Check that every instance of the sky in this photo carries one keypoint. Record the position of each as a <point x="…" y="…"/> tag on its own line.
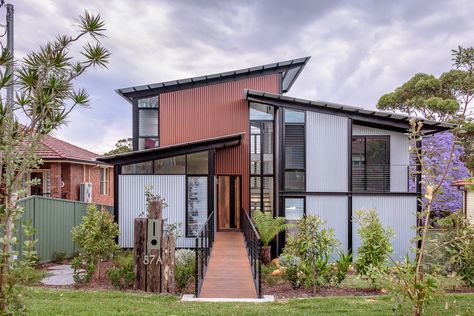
<point x="359" y="49"/>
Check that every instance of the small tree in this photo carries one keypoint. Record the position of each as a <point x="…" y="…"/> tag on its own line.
<point x="268" y="228"/>
<point x="315" y="245"/>
<point x="415" y="285"/>
<point x="45" y="97"/>
<point x="96" y="237"/>
<point x="375" y="248"/>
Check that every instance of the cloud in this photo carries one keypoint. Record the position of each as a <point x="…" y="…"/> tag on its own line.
<point x="360" y="50"/>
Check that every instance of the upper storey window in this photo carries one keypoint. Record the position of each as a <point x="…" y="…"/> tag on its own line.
<point x="148" y="123"/>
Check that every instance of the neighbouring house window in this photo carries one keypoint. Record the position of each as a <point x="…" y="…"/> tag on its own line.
<point x="148" y="123"/>
<point x="196" y="204"/>
<point x="294" y="149"/>
<point x="371" y="163"/>
<point x="172" y="165"/>
<point x="43" y="187"/>
<point x="104" y="181"/>
<point x="261" y="157"/>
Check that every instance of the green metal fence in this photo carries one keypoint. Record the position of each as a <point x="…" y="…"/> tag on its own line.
<point x="53" y="220"/>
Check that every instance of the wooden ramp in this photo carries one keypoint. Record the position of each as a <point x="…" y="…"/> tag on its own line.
<point x="228" y="274"/>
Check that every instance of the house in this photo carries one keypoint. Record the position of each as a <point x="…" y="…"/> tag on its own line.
<point x="466" y="186"/>
<point x="234" y="140"/>
<point x="72" y="173"/>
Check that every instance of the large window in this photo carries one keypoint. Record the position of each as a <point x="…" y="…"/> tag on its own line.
<point x="294" y="148"/>
<point x="261" y="157"/>
<point x="148" y="123"/>
<point x="196" y="204"/>
<point x="371" y="163"/>
<point x="104" y="181"/>
<point x="195" y="167"/>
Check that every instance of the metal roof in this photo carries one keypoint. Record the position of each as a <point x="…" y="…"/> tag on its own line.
<point x="393" y="121"/>
<point x="174" y="150"/>
<point x="290" y="70"/>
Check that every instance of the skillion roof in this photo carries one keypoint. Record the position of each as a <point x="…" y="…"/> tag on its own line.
<point x="290" y="70"/>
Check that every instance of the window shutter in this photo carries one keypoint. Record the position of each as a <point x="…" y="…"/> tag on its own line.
<point x="294" y="146"/>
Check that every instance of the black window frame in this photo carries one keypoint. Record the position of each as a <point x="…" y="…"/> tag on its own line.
<point x="284" y="147"/>
<point x="386" y="183"/>
<point x="262" y="174"/>
<point x="136" y="122"/>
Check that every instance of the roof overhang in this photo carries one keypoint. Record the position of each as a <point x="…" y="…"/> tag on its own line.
<point x="289" y="69"/>
<point x="75" y="161"/>
<point x="174" y="150"/>
<point x="379" y="119"/>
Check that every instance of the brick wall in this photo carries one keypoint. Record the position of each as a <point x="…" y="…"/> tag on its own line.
<point x="73" y="174"/>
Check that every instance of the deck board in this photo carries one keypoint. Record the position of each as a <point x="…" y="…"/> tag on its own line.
<point x="228" y="274"/>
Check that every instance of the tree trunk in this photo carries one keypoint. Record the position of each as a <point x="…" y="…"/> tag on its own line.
<point x="266" y="254"/>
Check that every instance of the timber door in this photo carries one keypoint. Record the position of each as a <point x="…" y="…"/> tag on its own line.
<point x="228" y="202"/>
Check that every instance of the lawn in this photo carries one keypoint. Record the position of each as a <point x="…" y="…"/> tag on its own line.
<point x="41" y="301"/>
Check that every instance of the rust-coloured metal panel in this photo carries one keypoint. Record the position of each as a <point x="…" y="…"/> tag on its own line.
<point x="212" y="111"/>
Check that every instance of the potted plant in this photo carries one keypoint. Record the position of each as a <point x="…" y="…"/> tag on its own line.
<point x="268" y="227"/>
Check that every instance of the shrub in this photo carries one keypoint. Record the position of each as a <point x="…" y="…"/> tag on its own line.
<point x="341" y="266"/>
<point x="122" y="275"/>
<point x="185" y="267"/>
<point x="96" y="238"/>
<point x="314" y="245"/>
<point x="375" y="247"/>
<point x="59" y="256"/>
<point x="291" y="269"/>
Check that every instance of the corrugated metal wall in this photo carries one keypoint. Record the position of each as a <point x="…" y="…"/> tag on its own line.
<point x="399" y="155"/>
<point x="132" y="203"/>
<point x="53" y="220"/>
<point x="332" y="209"/>
<point x="469" y="208"/>
<point x="397" y="212"/>
<point x="212" y="111"/>
<point x="326" y="152"/>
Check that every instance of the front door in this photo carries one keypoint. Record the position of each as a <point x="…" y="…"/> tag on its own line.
<point x="228" y="202"/>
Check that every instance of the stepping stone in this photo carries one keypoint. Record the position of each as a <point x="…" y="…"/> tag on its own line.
<point x="59" y="275"/>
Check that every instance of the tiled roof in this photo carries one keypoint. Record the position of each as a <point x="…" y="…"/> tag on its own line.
<point x="53" y="148"/>
<point x="467" y="181"/>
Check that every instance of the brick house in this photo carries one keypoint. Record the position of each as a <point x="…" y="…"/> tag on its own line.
<point x="65" y="167"/>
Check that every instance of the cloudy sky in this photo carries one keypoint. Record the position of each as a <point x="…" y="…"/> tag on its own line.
<point x="360" y="49"/>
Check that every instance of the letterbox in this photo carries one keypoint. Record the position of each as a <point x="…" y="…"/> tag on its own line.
<point x="154" y="234"/>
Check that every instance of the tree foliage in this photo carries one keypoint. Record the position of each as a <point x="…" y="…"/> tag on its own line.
<point x="442" y="98"/>
<point x="268" y="226"/>
<point x="45" y="96"/>
<point x="122" y="146"/>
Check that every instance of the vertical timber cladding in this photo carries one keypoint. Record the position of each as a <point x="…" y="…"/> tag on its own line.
<point x="211" y="111"/>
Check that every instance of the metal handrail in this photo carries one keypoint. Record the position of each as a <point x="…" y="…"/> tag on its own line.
<point x="253" y="244"/>
<point x="204" y="242"/>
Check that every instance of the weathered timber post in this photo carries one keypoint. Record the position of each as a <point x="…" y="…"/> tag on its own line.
<point x="154" y="254"/>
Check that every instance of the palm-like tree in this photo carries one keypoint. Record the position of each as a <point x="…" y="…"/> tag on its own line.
<point x="268" y="228"/>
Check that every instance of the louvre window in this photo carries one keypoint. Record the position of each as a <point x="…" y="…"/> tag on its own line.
<point x="294" y="149"/>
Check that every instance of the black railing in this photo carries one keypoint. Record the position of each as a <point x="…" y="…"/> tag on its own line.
<point x="377" y="178"/>
<point x="254" y="249"/>
<point x="204" y="242"/>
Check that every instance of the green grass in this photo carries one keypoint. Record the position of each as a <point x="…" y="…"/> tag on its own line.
<point x="41" y="301"/>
